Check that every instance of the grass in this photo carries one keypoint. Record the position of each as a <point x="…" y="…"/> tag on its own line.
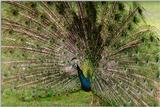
<point x="78" y="98"/>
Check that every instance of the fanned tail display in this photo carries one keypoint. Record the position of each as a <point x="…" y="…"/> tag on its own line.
<point x="103" y="47"/>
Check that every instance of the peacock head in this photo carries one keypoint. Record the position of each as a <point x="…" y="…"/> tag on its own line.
<point x="74" y="63"/>
<point x="86" y="66"/>
<point x="71" y="67"/>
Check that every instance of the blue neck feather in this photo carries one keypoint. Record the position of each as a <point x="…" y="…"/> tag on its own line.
<point x="85" y="82"/>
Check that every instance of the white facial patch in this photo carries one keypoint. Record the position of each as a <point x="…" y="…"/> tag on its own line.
<point x="70" y="70"/>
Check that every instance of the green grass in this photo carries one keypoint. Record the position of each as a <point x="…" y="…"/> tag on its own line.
<point x="78" y="98"/>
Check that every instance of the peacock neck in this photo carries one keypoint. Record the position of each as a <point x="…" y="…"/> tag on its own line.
<point x="85" y="81"/>
<point x="87" y="67"/>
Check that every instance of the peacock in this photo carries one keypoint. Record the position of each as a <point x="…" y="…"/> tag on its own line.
<point x="106" y="48"/>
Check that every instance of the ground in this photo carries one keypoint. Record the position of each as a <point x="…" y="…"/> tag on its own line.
<point x="79" y="98"/>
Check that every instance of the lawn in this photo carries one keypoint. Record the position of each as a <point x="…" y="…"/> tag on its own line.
<point x="79" y="98"/>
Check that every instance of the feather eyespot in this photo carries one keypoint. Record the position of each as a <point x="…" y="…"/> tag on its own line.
<point x="49" y="3"/>
<point x="15" y="12"/>
<point x="151" y="38"/>
<point x="10" y="32"/>
<point x="33" y="5"/>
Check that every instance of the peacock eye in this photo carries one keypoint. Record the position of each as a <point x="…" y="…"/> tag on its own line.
<point x="75" y="65"/>
<point x="157" y="59"/>
<point x="158" y="75"/>
<point x="10" y="31"/>
<point x="33" y="5"/>
<point x="49" y="2"/>
<point x="151" y="38"/>
<point x="15" y="12"/>
<point x="140" y="11"/>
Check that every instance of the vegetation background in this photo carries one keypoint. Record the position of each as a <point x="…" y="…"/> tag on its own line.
<point x="82" y="98"/>
<point x="152" y="13"/>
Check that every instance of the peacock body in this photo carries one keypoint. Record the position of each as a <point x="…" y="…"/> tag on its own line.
<point x="103" y="47"/>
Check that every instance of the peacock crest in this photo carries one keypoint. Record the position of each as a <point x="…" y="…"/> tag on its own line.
<point x="103" y="47"/>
